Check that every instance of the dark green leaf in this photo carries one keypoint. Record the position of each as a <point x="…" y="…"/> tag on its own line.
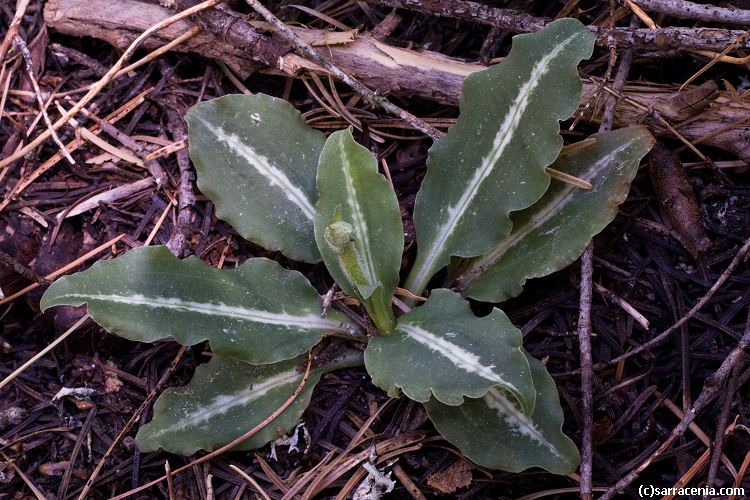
<point x="225" y="399"/>
<point x="493" y="431"/>
<point x="256" y="159"/>
<point x="492" y="160"/>
<point x="553" y="232"/>
<point x="258" y="312"/>
<point x="441" y="348"/>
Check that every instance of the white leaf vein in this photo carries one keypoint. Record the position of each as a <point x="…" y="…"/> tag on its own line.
<point x="264" y="167"/>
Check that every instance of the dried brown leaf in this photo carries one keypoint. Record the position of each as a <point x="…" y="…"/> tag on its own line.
<point x="53" y="468"/>
<point x="458" y="475"/>
<point x="677" y="199"/>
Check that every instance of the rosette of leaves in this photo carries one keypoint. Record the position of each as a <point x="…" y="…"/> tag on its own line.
<point x="486" y="198"/>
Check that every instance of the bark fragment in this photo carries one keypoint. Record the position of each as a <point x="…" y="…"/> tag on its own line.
<point x="677" y="199"/>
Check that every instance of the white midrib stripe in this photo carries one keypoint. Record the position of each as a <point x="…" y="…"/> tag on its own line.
<point x="224" y="403"/>
<point x="263" y="166"/>
<point x="463" y="359"/>
<point x="506" y="410"/>
<point x="502" y="139"/>
<point x="551" y="209"/>
<point x="359" y="222"/>
<point x="215" y="309"/>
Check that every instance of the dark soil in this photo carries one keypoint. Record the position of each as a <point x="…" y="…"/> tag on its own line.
<point x="56" y="445"/>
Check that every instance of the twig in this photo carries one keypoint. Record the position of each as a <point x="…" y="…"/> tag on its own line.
<point x="85" y="429"/>
<point x="683" y="9"/>
<point x="6" y="87"/>
<point x="366" y="93"/>
<point x="106" y="79"/>
<point x="44" y="351"/>
<point x="584" y="315"/>
<point x="642" y="15"/>
<point x="110" y="129"/>
<point x="182" y="232"/>
<point x="697" y="307"/>
<point x="250" y="480"/>
<point x="587" y="373"/>
<point x="584" y="329"/>
<point x="696" y="430"/>
<point x="657" y="116"/>
<point x="678" y="307"/>
<point x="153" y="166"/>
<point x="40" y="101"/>
<point x="57" y="273"/>
<point x="13" y="28"/>
<point x="716" y="58"/>
<point x="151" y="396"/>
<point x="671" y="38"/>
<point x="426" y="75"/>
<point x="159" y="222"/>
<point x="27" y="180"/>
<point x="170" y="482"/>
<point x="711" y="385"/>
<point x="723" y="58"/>
<point x="100" y="70"/>
<point x="233" y="27"/>
<point x="623" y="304"/>
<point x="161" y="50"/>
<point x="412" y="488"/>
<point x="721" y="425"/>
<point x="23" y="270"/>
<point x="233" y="78"/>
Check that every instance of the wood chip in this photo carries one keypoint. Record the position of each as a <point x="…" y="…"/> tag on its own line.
<point x="677" y="199"/>
<point x="458" y="475"/>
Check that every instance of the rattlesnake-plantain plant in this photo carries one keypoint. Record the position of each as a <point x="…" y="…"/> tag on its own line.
<point x="486" y="198"/>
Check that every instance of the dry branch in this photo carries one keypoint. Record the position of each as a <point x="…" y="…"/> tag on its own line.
<point x="405" y="73"/>
<point x="673" y="38"/>
<point x="683" y="9"/>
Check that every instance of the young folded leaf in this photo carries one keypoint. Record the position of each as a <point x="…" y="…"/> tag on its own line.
<point x="339" y="237"/>
<point x="226" y="398"/>
<point x="553" y="232"/>
<point x="256" y="159"/>
<point x="352" y="192"/>
<point x="258" y="312"/>
<point x="493" y="432"/>
<point x="492" y="160"/>
<point x="441" y="348"/>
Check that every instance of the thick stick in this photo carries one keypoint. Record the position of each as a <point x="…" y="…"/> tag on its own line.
<point x="105" y="79"/>
<point x="389" y="70"/>
<point x="521" y="22"/>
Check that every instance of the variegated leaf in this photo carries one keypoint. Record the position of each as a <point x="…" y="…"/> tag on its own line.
<point x="554" y="231"/>
<point x="492" y="160"/>
<point x="256" y="159"/>
<point x="348" y="181"/>
<point x="225" y="399"/>
<point x="257" y="312"/>
<point x="492" y="431"/>
<point x="441" y="348"/>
